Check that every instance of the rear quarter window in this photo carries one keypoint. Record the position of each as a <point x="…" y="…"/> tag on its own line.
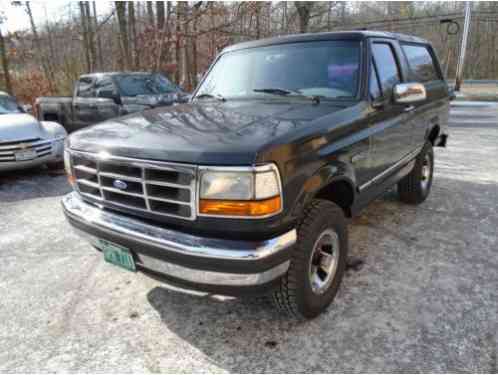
<point x="421" y="62"/>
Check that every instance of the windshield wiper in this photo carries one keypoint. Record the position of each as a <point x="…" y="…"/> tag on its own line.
<point x="215" y="96"/>
<point x="285" y="92"/>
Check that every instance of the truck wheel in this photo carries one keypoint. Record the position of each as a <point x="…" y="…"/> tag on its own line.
<point x="317" y="263"/>
<point x="416" y="186"/>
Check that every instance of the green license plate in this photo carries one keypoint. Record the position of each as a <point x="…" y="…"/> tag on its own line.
<point x="117" y="255"/>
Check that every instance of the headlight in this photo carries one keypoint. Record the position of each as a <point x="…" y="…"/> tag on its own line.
<point x="240" y="192"/>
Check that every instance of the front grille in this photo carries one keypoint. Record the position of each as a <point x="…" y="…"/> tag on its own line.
<point x="8" y="150"/>
<point x="144" y="186"/>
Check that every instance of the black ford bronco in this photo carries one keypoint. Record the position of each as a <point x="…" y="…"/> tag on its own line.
<point x="248" y="188"/>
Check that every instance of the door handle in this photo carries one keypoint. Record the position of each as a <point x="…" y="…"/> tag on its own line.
<point x="409" y="108"/>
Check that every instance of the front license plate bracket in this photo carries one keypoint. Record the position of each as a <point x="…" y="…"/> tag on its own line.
<point x="117" y="255"/>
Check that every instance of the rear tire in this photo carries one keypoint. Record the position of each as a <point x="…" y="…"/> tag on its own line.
<point x="317" y="264"/>
<point x="415" y="187"/>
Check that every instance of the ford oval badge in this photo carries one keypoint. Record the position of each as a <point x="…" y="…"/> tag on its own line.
<point x="121" y="185"/>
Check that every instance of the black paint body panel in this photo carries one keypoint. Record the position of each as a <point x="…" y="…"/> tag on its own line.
<point x="313" y="145"/>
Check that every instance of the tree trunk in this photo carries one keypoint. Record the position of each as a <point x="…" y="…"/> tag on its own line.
<point x="160" y="14"/>
<point x="168" y="12"/>
<point x="45" y="65"/>
<point x="5" y="65"/>
<point x="194" y="43"/>
<point x="133" y="34"/>
<point x="90" y="37"/>
<point x="303" y="9"/>
<point x="150" y="13"/>
<point x="85" y="35"/>
<point x="258" y="20"/>
<point x="177" y="42"/>
<point x="100" y="56"/>
<point x="284" y="18"/>
<point x="49" y="34"/>
<point x="187" y="73"/>
<point x="123" y="33"/>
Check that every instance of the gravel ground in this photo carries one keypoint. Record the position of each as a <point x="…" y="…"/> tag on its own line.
<point x="424" y="299"/>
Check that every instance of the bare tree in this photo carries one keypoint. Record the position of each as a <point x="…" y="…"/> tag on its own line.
<point x="150" y="13"/>
<point x="194" y="42"/>
<point x="100" y="56"/>
<point x="133" y="34"/>
<point x="123" y="33"/>
<point x="88" y="35"/>
<point x="304" y="11"/>
<point x="91" y="36"/>
<point x="38" y="45"/>
<point x="160" y="14"/>
<point x="177" y="41"/>
<point x="5" y="65"/>
<point x="85" y="35"/>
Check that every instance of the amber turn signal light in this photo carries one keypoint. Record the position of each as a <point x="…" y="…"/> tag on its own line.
<point x="240" y="208"/>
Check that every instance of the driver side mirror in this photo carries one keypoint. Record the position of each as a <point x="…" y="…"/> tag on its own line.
<point x="109" y="94"/>
<point x="409" y="93"/>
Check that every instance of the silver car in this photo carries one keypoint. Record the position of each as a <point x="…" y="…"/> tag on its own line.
<point x="26" y="142"/>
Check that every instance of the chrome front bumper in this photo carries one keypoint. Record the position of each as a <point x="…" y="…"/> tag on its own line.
<point x="182" y="256"/>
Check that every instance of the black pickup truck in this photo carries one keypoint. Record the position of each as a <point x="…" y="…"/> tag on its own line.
<point x="101" y="96"/>
<point x="248" y="188"/>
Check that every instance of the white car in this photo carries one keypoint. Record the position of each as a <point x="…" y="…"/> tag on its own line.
<point x="26" y="142"/>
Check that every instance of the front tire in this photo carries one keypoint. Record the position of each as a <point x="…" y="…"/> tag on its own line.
<point x="317" y="264"/>
<point x="415" y="187"/>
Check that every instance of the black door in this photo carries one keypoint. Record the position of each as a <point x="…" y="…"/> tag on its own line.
<point x="389" y="122"/>
<point x="424" y="68"/>
<point x="107" y="108"/>
<point x="84" y="103"/>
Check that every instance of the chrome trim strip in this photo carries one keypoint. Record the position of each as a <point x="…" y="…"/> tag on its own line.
<point x="153" y="198"/>
<point x="15" y="146"/>
<point x="86" y="169"/>
<point x="168" y="184"/>
<point x="120" y="176"/>
<point x="117" y="191"/>
<point x="141" y="163"/>
<point x="406" y="159"/>
<point x="214" y="278"/>
<point x="171" y="240"/>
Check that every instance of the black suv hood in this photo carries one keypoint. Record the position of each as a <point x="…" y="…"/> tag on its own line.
<point x="204" y="132"/>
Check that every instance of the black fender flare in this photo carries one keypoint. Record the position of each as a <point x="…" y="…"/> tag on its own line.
<point x="332" y="173"/>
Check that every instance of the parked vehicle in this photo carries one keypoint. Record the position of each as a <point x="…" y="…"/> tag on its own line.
<point x="26" y="142"/>
<point x="101" y="96"/>
<point x="249" y="187"/>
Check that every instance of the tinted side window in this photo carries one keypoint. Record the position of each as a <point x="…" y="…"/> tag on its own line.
<point x="421" y="62"/>
<point x="85" y="88"/>
<point x="105" y="84"/>
<point x="387" y="66"/>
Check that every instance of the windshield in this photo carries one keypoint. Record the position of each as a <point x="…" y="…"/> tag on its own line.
<point x="328" y="69"/>
<point x="8" y="105"/>
<point x="144" y="84"/>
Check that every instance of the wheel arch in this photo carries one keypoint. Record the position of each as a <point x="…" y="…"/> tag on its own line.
<point x="335" y="183"/>
<point x="433" y="134"/>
